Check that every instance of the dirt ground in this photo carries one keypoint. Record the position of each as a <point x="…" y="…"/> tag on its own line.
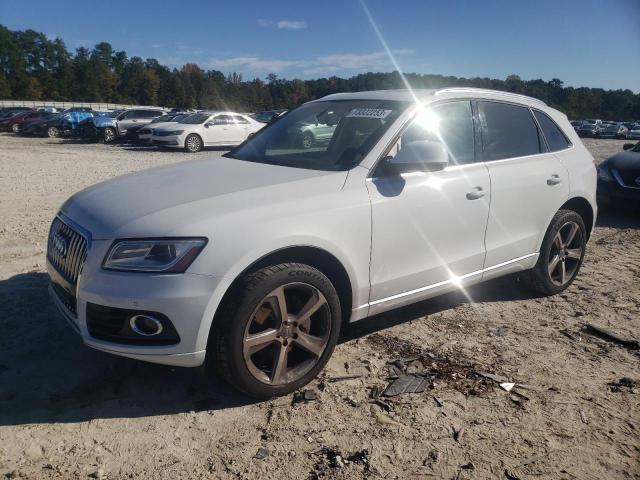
<point x="67" y="411"/>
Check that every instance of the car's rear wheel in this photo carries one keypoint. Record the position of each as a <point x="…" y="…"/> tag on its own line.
<point x="193" y="143"/>
<point x="53" y="132"/>
<point x="561" y="254"/>
<point x="277" y="331"/>
<point x="109" y="135"/>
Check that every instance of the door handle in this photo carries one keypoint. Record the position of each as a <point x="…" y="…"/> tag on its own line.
<point x="476" y="193"/>
<point x="554" y="180"/>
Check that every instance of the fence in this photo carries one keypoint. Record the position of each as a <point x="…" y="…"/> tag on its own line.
<point x="63" y="105"/>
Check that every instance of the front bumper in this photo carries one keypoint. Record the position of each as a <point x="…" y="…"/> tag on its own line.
<point x="173" y="141"/>
<point x="184" y="298"/>
<point x="615" y="191"/>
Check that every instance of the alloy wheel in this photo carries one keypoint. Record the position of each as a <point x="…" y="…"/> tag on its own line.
<point x="287" y="334"/>
<point x="109" y="135"/>
<point x="193" y="144"/>
<point x="52" y="132"/>
<point x="566" y="253"/>
<point x="15" y="128"/>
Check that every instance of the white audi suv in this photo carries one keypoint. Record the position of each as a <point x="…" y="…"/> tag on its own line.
<point x="251" y="263"/>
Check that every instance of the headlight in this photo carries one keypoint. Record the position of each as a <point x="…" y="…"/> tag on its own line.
<point x="604" y="174"/>
<point x="163" y="255"/>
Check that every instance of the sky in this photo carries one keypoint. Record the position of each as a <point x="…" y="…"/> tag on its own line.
<point x="593" y="43"/>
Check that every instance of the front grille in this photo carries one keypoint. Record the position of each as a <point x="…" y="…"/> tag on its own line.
<point x="66" y="250"/>
<point x="629" y="177"/>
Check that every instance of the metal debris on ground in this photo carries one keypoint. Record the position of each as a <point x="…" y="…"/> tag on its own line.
<point x="304" y="396"/>
<point x="507" y="386"/>
<point x="262" y="453"/>
<point x="406" y="384"/>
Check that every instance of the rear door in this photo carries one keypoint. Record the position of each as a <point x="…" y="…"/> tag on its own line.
<point x="528" y="182"/>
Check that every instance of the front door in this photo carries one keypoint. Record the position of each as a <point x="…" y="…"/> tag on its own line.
<point x="429" y="227"/>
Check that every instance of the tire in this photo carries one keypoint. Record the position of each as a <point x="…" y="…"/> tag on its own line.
<point x="253" y="309"/>
<point x="53" y="132"/>
<point x="561" y="255"/>
<point x="193" y="143"/>
<point x="307" y="140"/>
<point x="109" y="135"/>
<point x="15" y="128"/>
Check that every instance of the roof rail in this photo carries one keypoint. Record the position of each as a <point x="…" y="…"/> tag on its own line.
<point x="491" y="92"/>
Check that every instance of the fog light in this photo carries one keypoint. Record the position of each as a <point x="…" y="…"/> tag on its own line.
<point x="145" y="325"/>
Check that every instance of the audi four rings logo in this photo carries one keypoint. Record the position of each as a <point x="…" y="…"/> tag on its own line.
<point x="60" y="244"/>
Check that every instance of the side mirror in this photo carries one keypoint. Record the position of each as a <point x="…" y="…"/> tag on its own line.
<point x="209" y="124"/>
<point x="628" y="146"/>
<point x="422" y="155"/>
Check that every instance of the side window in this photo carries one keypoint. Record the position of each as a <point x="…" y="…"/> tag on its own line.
<point x="222" y="120"/>
<point x="449" y="123"/>
<point x="129" y="114"/>
<point x="556" y="139"/>
<point x="152" y="113"/>
<point x="508" y="131"/>
<point x="239" y="119"/>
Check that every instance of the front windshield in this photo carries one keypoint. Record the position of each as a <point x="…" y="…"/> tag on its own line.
<point x="195" y="118"/>
<point x="326" y="135"/>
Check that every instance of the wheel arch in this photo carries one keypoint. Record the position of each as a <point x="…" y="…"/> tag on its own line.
<point x="313" y="256"/>
<point x="582" y="207"/>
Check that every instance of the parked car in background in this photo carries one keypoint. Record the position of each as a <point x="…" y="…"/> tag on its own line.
<point x="254" y="261"/>
<point x="10" y="111"/>
<point x="619" y="177"/>
<point x="146" y="132"/>
<point x="613" y="130"/>
<point x="206" y="129"/>
<point x="590" y="128"/>
<point x="576" y="124"/>
<point x="7" y="121"/>
<point x="634" y="132"/>
<point x="309" y="135"/>
<point x="125" y="124"/>
<point x="268" y="115"/>
<point x="48" y="109"/>
<point x="19" y="121"/>
<point x="87" y="128"/>
<point x="63" y="123"/>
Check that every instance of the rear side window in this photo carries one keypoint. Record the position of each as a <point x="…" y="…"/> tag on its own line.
<point x="556" y="140"/>
<point x="508" y="131"/>
<point x="239" y="119"/>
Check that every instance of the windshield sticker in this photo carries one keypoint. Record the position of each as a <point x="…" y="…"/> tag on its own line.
<point x="369" y="113"/>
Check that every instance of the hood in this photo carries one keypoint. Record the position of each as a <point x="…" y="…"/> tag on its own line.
<point x="625" y="160"/>
<point x="159" y="125"/>
<point x="184" y="198"/>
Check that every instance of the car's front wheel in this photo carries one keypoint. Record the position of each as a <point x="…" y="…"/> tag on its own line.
<point x="53" y="132"/>
<point x="277" y="331"/>
<point x="561" y="254"/>
<point x="15" y="127"/>
<point x="193" y="143"/>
